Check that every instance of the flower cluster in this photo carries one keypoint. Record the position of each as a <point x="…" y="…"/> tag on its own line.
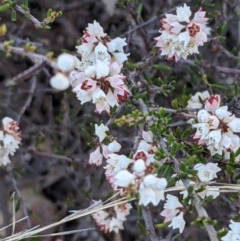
<point x="234" y="234"/>
<point x="216" y="127"/>
<point x="10" y="138"/>
<point x="207" y="173"/>
<point x="96" y="157"/>
<point x="131" y="176"/>
<point x="173" y="211"/>
<point x="98" y="78"/>
<point x="111" y="219"/>
<point x="181" y="36"/>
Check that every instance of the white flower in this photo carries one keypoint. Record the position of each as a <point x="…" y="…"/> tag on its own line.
<point x="115" y="47"/>
<point x="202" y="115"/>
<point x="213" y="138"/>
<point x="139" y="167"/>
<point x="118" y="162"/>
<point x="124" y="178"/>
<point x="85" y="49"/>
<point x="172" y="203"/>
<point x="115" y="225"/>
<point x="96" y="157"/>
<point x="183" y="13"/>
<point x="178" y="222"/>
<point x="152" y="190"/>
<point x="100" y="131"/>
<point x="234" y="233"/>
<point x="171" y="208"/>
<point x="102" y="69"/>
<point x="181" y="36"/>
<point x="147" y="136"/>
<point x="95" y="29"/>
<point x="65" y="62"/>
<point x="59" y="81"/>
<point x="111" y="219"/>
<point x="114" y="146"/>
<point x="10" y="138"/>
<point x="194" y="102"/>
<point x="234" y="125"/>
<point x="207" y="172"/>
<point x="101" y="52"/>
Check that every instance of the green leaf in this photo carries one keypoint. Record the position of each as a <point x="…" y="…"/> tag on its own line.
<point x="140" y="95"/>
<point x="221" y="233"/>
<point x="183" y="167"/>
<point x="139" y="212"/>
<point x="200" y="189"/>
<point x="185" y="133"/>
<point x="237" y="152"/>
<point x="230" y="171"/>
<point x="190" y="160"/>
<point x="223" y="28"/>
<point x="86" y="134"/>
<point x="191" y="171"/>
<point x="167" y="171"/>
<point x="5" y="7"/>
<point x="18" y="205"/>
<point x="190" y="189"/>
<point x="208" y="199"/>
<point x="217" y="86"/>
<point x="176" y="236"/>
<point x="174" y="149"/>
<point x="162" y="67"/>
<point x="131" y="65"/>
<point x="141" y="227"/>
<point x="170" y="139"/>
<point x="139" y="11"/>
<point x="49" y="12"/>
<point x="235" y="89"/>
<point x="59" y="13"/>
<point x="232" y="157"/>
<point x="46" y="27"/>
<point x="14" y="15"/>
<point x="162" y="225"/>
<point x="174" y="104"/>
<point x="25" y="3"/>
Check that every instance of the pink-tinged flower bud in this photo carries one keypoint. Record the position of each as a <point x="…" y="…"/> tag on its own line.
<point x="212" y="103"/>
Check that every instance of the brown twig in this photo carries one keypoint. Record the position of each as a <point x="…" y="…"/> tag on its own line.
<point x="147" y="215"/>
<point x="36" y="22"/>
<point x="33" y="56"/>
<point x="27" y="73"/>
<point x="30" y="97"/>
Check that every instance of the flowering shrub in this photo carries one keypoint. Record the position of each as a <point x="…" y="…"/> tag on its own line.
<point x="197" y="157"/>
<point x="10" y="137"/>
